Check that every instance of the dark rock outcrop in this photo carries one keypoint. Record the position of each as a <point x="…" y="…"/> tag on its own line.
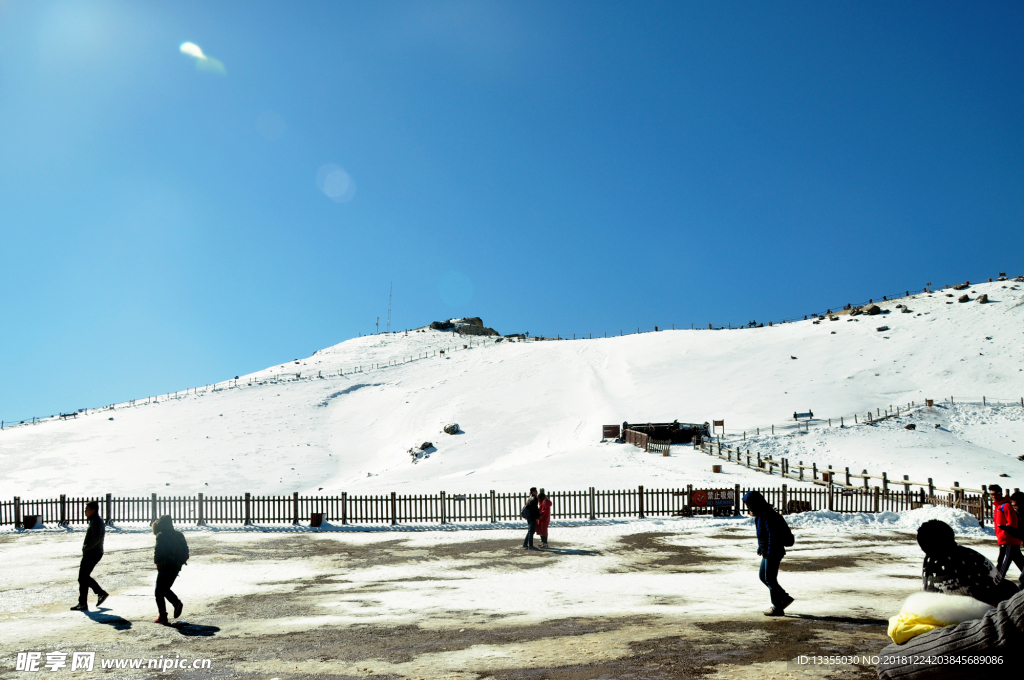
<point x="964" y="298"/>
<point x="983" y="298"/>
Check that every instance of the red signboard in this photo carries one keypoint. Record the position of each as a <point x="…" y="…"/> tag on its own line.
<point x="713" y="497"/>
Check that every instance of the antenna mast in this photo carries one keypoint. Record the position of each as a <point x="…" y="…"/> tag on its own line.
<point x="390" y="290"/>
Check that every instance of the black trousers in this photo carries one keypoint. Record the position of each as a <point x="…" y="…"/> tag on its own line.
<point x="85" y="579"/>
<point x="164" y="581"/>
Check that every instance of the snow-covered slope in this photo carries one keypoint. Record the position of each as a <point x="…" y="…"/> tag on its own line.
<point x="531" y="412"/>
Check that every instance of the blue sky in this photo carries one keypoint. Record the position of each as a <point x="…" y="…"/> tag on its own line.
<point x="555" y="168"/>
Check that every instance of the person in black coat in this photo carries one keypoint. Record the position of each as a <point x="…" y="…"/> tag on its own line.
<point x="531" y="513"/>
<point x="92" y="553"/>
<point x="957" y="570"/>
<point x="170" y="554"/>
<point x="772" y="532"/>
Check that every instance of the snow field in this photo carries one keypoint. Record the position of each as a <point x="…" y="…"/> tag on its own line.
<point x="531" y="411"/>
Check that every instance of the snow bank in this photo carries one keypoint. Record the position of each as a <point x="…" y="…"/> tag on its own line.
<point x="825" y="521"/>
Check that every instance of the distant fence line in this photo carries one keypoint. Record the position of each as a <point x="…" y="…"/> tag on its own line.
<point x="492" y="507"/>
<point x="868" y="417"/>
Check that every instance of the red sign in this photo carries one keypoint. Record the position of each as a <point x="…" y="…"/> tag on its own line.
<point x="713" y="497"/>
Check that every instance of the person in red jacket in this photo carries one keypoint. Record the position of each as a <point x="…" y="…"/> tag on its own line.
<point x="1004" y="518"/>
<point x="545" y="518"/>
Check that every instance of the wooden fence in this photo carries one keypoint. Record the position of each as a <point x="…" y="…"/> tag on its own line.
<point x="444" y="508"/>
<point x="859" y="496"/>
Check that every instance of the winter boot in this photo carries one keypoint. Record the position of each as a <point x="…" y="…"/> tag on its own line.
<point x="774" y="611"/>
<point x="162" y="620"/>
<point x="80" y="608"/>
<point x="102" y="598"/>
<point x="177" y="610"/>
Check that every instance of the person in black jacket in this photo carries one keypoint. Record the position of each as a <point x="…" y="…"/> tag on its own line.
<point x="772" y="531"/>
<point x="92" y="553"/>
<point x="531" y="513"/>
<point x="957" y="570"/>
<point x="170" y="554"/>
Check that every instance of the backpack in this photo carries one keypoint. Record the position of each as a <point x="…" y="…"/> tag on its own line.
<point x="787" y="534"/>
<point x="180" y="548"/>
<point x="525" y="512"/>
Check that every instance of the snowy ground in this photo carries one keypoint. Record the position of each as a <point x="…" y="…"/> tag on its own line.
<point x="632" y="599"/>
<point x="531" y="412"/>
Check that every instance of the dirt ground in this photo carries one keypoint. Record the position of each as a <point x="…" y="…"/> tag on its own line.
<point x="612" y="603"/>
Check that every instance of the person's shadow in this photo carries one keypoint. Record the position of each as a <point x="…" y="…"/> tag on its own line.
<point x="109" y="619"/>
<point x="194" y="629"/>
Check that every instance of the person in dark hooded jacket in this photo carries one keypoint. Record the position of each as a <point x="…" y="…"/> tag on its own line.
<point x="957" y="570"/>
<point x="170" y="554"/>
<point x="772" y="532"/>
<point x="531" y="513"/>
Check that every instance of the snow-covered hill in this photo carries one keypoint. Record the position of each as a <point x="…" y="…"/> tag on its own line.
<point x="531" y="412"/>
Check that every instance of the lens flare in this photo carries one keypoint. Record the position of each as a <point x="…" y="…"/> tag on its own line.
<point x="203" y="62"/>
<point x="335" y="183"/>
<point x="192" y="50"/>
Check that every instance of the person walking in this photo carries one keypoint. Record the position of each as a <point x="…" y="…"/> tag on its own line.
<point x="544" y="506"/>
<point x="1004" y="519"/>
<point x="773" y="535"/>
<point x="170" y="554"/>
<point x="531" y="513"/>
<point x="92" y="553"/>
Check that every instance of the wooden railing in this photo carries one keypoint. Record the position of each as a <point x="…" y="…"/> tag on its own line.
<point x="451" y="508"/>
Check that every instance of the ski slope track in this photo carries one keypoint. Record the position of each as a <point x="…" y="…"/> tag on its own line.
<point x="531" y="412"/>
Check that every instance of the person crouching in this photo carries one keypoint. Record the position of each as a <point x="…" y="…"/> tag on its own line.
<point x="170" y="554"/>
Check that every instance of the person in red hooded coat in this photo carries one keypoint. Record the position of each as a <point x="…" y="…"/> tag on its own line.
<point x="1004" y="518"/>
<point x="545" y="518"/>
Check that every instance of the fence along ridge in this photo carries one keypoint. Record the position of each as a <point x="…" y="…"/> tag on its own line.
<point x="768" y="464"/>
<point x="445" y="508"/>
<point x="229" y="384"/>
<point x="233" y="383"/>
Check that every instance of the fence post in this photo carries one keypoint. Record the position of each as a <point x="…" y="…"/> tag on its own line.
<point x="442" y="507"/>
<point x="885" y="482"/>
<point x="153" y="506"/>
<point x="847" y="475"/>
<point x="295" y="507"/>
<point x="640" y="500"/>
<point x="785" y="500"/>
<point x="736" y="511"/>
<point x="876" y="500"/>
<point x="864" y="475"/>
<point x="494" y="517"/>
<point x="906" y="484"/>
<point x="831" y="495"/>
<point x="593" y="514"/>
<point x="248" y="508"/>
<point x="931" y="487"/>
<point x="109" y="520"/>
<point x="63" y="510"/>
<point x="394" y="508"/>
<point x="17" y="512"/>
<point x="814" y="472"/>
<point x="201" y="511"/>
<point x="344" y="507"/>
